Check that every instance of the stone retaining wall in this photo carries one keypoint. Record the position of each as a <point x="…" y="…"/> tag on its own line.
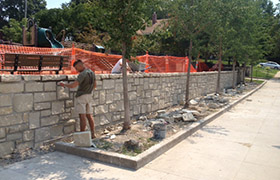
<point x="33" y="109"/>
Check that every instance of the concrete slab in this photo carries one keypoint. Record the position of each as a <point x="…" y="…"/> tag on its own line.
<point x="257" y="172"/>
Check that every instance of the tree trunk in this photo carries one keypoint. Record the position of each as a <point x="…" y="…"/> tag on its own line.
<point x="126" y="124"/>
<point x="243" y="73"/>
<point x="206" y="58"/>
<point x="188" y="75"/>
<point x="206" y="55"/>
<point x="233" y="73"/>
<point x="251" y="74"/>
<point x="219" y="70"/>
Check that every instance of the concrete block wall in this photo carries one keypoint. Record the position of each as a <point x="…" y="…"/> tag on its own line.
<point x="33" y="109"/>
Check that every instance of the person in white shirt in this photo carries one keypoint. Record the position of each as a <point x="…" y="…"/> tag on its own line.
<point x="117" y="69"/>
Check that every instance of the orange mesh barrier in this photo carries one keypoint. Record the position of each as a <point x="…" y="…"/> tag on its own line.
<point x="99" y="62"/>
<point x="166" y="64"/>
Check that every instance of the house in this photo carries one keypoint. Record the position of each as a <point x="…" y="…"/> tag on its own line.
<point x="156" y="24"/>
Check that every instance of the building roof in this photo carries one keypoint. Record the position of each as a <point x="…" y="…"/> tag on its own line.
<point x="160" y="24"/>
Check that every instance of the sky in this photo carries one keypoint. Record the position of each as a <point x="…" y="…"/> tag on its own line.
<point x="275" y="1"/>
<point x="57" y="3"/>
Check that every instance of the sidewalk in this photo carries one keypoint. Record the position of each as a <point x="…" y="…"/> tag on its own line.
<point x="243" y="144"/>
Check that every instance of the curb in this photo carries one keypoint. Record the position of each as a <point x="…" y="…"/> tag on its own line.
<point x="152" y="153"/>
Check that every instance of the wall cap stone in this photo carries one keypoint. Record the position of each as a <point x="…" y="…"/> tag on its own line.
<point x="31" y="77"/>
<point x="10" y="78"/>
<point x="17" y="78"/>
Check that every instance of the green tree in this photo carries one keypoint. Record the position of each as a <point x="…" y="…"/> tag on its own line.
<point x="54" y="18"/>
<point x="271" y="16"/>
<point x="239" y="33"/>
<point x="268" y="20"/>
<point x="74" y="18"/>
<point x="189" y="19"/>
<point x="219" y="29"/>
<point x="256" y="34"/>
<point x="14" y="9"/>
<point x="122" y="18"/>
<point x="205" y="45"/>
<point x="158" y="6"/>
<point x="13" y="31"/>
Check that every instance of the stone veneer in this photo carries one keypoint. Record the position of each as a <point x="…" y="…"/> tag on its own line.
<point x="33" y="109"/>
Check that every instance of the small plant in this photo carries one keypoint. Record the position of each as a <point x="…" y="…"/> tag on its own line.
<point x="150" y="142"/>
<point x="257" y="69"/>
<point x="129" y="152"/>
<point x="104" y="145"/>
<point x="267" y="69"/>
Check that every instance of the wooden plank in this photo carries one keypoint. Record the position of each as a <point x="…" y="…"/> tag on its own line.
<point x="51" y="58"/>
<point x="28" y="62"/>
<point x="50" y="69"/>
<point x="53" y="61"/>
<point x="34" y="54"/>
<point x="10" y="57"/>
<point x="9" y="64"/>
<point x="28" y="57"/>
<point x="49" y="61"/>
<point x="36" y="70"/>
<point x="28" y="70"/>
<point x="9" y="70"/>
<point x="51" y="64"/>
<point x="55" y="65"/>
<point x="10" y="61"/>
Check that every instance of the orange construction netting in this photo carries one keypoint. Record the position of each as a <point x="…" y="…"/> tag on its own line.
<point x="100" y="62"/>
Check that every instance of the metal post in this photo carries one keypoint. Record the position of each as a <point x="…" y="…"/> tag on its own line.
<point x="147" y="62"/>
<point x="166" y="64"/>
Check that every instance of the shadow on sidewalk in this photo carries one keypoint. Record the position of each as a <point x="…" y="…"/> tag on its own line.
<point x="278" y="147"/>
<point x="211" y="129"/>
<point x="60" y="166"/>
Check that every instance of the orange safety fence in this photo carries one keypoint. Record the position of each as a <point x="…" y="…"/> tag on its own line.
<point x="166" y="64"/>
<point x="100" y="62"/>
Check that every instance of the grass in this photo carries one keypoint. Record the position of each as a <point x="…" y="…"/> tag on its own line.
<point x="216" y="62"/>
<point x="255" y="81"/>
<point x="264" y="73"/>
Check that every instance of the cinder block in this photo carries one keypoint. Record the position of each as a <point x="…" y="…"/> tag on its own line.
<point x="82" y="139"/>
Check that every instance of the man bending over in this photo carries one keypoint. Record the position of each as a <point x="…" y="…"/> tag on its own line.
<point x="86" y="82"/>
<point x="117" y="69"/>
